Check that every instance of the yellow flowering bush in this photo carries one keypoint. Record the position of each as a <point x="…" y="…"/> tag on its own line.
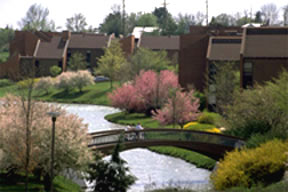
<point x="265" y="164"/>
<point x="187" y="125"/>
<point x="27" y="82"/>
<point x="214" y="130"/>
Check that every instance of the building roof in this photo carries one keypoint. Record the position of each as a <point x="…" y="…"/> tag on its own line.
<point x="224" y="48"/>
<point x="160" y="42"/>
<point x="265" y="42"/>
<point x="52" y="49"/>
<point x="88" y="41"/>
<point x="137" y="31"/>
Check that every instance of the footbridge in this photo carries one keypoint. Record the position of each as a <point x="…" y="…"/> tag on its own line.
<point x="210" y="144"/>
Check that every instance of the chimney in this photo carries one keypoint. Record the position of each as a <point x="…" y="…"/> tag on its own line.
<point x="66" y="35"/>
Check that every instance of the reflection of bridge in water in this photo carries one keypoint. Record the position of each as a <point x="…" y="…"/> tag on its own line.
<point x="210" y="144"/>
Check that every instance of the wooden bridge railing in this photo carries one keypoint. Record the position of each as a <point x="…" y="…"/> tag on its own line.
<point x="110" y="137"/>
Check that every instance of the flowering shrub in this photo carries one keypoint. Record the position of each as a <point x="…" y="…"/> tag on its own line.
<point x="71" y="138"/>
<point x="148" y="91"/>
<point x="180" y="109"/>
<point x="45" y="84"/>
<point x="27" y="82"/>
<point x="265" y="164"/>
<point x="65" y="81"/>
<point x="82" y="79"/>
<point x="126" y="98"/>
<point x="79" y="79"/>
<point x="214" y="130"/>
<point x="154" y="88"/>
<point x="187" y="125"/>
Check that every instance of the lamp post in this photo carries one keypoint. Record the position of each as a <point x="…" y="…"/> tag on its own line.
<point x="54" y="116"/>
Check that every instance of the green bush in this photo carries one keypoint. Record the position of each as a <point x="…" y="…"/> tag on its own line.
<point x="5" y="82"/>
<point x="257" y="139"/>
<point x="249" y="128"/>
<point x="206" y="118"/>
<point x="202" y="100"/>
<point x="263" y="165"/>
<point x="259" y="110"/>
<point x="55" y="70"/>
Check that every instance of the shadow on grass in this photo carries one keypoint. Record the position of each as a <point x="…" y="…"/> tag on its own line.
<point x="68" y="95"/>
<point x="100" y="93"/>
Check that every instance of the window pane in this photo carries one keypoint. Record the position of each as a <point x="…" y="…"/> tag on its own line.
<point x="247" y="67"/>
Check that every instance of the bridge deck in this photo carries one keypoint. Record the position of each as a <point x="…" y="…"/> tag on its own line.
<point x="210" y="144"/>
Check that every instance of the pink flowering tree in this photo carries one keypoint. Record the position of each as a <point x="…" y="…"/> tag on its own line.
<point x="154" y="88"/>
<point x="71" y="138"/>
<point x="149" y="91"/>
<point x="126" y="98"/>
<point x="181" y="108"/>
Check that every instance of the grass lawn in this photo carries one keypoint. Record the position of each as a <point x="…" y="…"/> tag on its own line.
<point x="61" y="184"/>
<point x="147" y="122"/>
<point x="93" y="94"/>
<point x="7" y="89"/>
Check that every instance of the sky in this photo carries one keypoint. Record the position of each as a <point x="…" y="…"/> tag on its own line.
<point x="11" y="11"/>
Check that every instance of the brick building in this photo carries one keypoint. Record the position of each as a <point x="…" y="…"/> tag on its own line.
<point x="221" y="49"/>
<point x="171" y="44"/>
<point x="194" y="50"/>
<point x="38" y="51"/>
<point x="264" y="54"/>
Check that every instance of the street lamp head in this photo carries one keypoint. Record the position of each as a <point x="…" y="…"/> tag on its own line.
<point x="54" y="114"/>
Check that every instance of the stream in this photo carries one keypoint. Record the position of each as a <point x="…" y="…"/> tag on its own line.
<point x="152" y="170"/>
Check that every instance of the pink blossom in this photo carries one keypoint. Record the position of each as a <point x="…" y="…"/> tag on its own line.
<point x="180" y="109"/>
<point x="126" y="98"/>
<point x="71" y="139"/>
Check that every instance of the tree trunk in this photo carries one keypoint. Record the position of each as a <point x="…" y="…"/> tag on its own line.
<point x="111" y="84"/>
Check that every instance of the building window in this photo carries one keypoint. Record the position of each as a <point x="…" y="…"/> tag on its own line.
<point x="60" y="64"/>
<point x="37" y="64"/>
<point x="211" y="72"/>
<point x="247" y="75"/>
<point x="88" y="58"/>
<point x="68" y="55"/>
<point x="37" y="68"/>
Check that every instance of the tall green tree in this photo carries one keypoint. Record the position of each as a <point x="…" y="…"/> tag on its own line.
<point x="185" y="21"/>
<point x="147" y="20"/>
<point x="112" y="22"/>
<point x="166" y="22"/>
<point x="36" y="19"/>
<point x="76" y="62"/>
<point x="6" y="35"/>
<point x="112" y="62"/>
<point x="77" y="23"/>
<point x="242" y="18"/>
<point x="258" y="17"/>
<point x="131" y="22"/>
<point x="146" y="59"/>
<point x="224" y="20"/>
<point x="223" y="84"/>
